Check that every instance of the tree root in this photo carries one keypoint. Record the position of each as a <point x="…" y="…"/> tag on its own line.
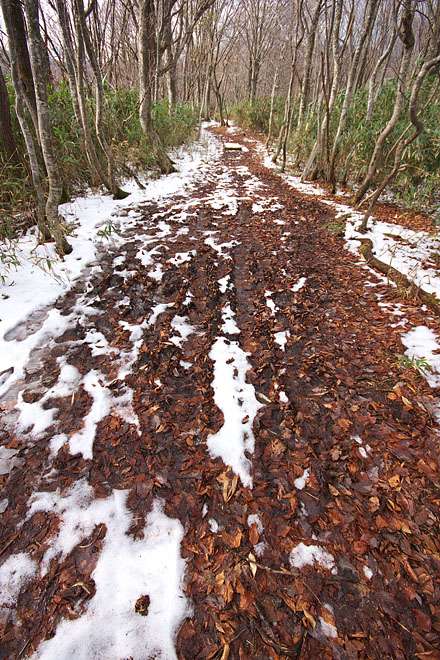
<point x="410" y="288"/>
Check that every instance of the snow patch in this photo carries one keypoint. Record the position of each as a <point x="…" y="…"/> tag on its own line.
<point x="306" y="555"/>
<point x="127" y="570"/>
<point x="15" y="573"/>
<point x="236" y="399"/>
<point x="301" y="481"/>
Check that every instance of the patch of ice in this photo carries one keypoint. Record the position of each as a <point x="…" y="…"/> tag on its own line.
<point x="9" y="459"/>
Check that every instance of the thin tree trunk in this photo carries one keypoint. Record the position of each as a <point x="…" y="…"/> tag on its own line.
<point x="45" y="129"/>
<point x="75" y="69"/>
<point x="403" y="144"/>
<point x="272" y="103"/>
<point x="307" y="74"/>
<point x="6" y="133"/>
<point x="99" y="97"/>
<point x="146" y="59"/>
<point x="20" y="100"/>
<point x="372" y="87"/>
<point x="368" y="26"/>
<point x="407" y="36"/>
<point x="14" y="12"/>
<point x="321" y="145"/>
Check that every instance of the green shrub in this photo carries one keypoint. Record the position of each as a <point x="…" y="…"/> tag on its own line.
<point x="123" y="131"/>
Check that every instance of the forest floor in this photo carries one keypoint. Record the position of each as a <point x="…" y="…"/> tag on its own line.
<point x="213" y="432"/>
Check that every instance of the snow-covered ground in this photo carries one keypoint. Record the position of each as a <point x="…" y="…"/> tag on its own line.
<point x="130" y="568"/>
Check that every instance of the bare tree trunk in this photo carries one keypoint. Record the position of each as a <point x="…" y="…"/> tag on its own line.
<point x="272" y="101"/>
<point x="75" y="69"/>
<point x="12" y="12"/>
<point x="407" y="37"/>
<point x="307" y="74"/>
<point x="20" y="100"/>
<point x="6" y="134"/>
<point x="368" y="26"/>
<point x="321" y="145"/>
<point x="372" y="88"/>
<point x="45" y="129"/>
<point x="99" y="97"/>
<point x="147" y="68"/>
<point x="403" y="144"/>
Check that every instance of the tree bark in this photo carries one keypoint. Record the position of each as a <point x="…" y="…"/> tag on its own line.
<point x="99" y="97"/>
<point x="147" y="67"/>
<point x="368" y="26"/>
<point x="20" y="101"/>
<point x="45" y="130"/>
<point x="407" y="36"/>
<point x="6" y="133"/>
<point x="402" y="144"/>
<point x="14" y="13"/>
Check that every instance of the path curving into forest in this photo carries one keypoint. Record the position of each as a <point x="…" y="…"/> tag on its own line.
<point x="217" y="456"/>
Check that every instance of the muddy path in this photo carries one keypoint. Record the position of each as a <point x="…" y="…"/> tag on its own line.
<point x="231" y="317"/>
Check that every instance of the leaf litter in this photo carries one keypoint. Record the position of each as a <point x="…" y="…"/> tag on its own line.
<point x="258" y="476"/>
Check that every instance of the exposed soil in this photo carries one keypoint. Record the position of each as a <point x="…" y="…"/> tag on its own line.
<point x="375" y="509"/>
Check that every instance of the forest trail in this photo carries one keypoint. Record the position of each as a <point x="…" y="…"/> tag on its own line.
<point x="223" y="387"/>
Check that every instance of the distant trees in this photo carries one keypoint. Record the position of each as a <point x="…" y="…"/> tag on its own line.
<point x="348" y="82"/>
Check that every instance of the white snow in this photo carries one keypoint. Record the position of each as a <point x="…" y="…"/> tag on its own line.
<point x="299" y="285"/>
<point x="15" y="572"/>
<point x="236" y="399"/>
<point x="31" y="288"/>
<point x="328" y="629"/>
<point x="229" y="325"/>
<point x="82" y="441"/>
<point x="304" y="555"/>
<point x="157" y="310"/>
<point x="182" y="257"/>
<point x="368" y="572"/>
<point x="127" y="569"/>
<point x="422" y="343"/>
<point x="283" y="397"/>
<point x="180" y="324"/>
<point x="225" y="283"/>
<point x="301" y="481"/>
<point x="270" y="303"/>
<point x="281" y="338"/>
<point x="254" y="519"/>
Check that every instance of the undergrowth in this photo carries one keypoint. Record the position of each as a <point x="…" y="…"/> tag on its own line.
<point x="131" y="148"/>
<point x="417" y="184"/>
